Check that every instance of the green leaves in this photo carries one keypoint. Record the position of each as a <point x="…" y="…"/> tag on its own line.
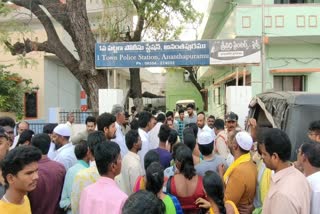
<point x="12" y="90"/>
<point x="163" y="19"/>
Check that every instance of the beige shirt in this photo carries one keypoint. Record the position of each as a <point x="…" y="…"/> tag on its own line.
<point x="289" y="193"/>
<point x="220" y="144"/>
<point x="130" y="171"/>
<point x="80" y="136"/>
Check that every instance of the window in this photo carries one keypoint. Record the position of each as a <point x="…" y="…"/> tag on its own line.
<point x="289" y="83"/>
<point x="293" y="1"/>
<point x="30" y="106"/>
<point x="216" y="96"/>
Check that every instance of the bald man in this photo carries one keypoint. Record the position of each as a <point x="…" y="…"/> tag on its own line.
<point x="22" y="126"/>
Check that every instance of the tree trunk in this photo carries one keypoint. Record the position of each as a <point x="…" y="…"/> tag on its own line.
<point x="91" y="86"/>
<point x="135" y="88"/>
<point x="203" y="92"/>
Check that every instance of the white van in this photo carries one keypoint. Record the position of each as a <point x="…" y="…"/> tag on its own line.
<point x="182" y="104"/>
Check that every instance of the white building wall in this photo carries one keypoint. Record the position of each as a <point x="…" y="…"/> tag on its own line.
<point x="62" y="89"/>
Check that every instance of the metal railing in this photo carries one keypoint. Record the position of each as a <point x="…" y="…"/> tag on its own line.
<point x="79" y="116"/>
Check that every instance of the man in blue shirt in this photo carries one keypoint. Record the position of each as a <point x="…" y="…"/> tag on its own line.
<point x="83" y="155"/>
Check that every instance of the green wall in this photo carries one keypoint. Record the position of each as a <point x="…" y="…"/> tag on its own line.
<point x="178" y="89"/>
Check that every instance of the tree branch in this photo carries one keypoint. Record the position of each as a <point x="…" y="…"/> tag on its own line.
<point x="191" y="71"/>
<point x="139" y="28"/>
<point x="136" y="4"/>
<point x="58" y="10"/>
<point x="27" y="47"/>
<point x="54" y="42"/>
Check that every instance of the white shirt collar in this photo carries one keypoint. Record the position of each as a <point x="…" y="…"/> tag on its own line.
<point x="64" y="147"/>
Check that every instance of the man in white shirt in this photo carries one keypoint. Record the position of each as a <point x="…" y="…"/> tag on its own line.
<point x="309" y="159"/>
<point x="65" y="149"/>
<point x="146" y="123"/>
<point x="118" y="112"/>
<point x="131" y="167"/>
<point x="202" y="126"/>
<point x="22" y="126"/>
<point x="70" y="122"/>
<point x="153" y="134"/>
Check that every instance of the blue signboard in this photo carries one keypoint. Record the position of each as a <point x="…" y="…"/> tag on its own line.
<point x="151" y="54"/>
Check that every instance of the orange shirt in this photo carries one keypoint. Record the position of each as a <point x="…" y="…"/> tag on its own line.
<point x="241" y="185"/>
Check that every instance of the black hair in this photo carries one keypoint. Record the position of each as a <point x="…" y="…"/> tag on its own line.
<point x="214" y="187"/>
<point x="194" y="127"/>
<point x="277" y="141"/>
<point x="143" y="202"/>
<point x="173" y="136"/>
<point x="154" y="177"/>
<point x="190" y="105"/>
<point x="154" y="112"/>
<point x="94" y="139"/>
<point x="315" y="126"/>
<point x="144" y="119"/>
<point x="164" y="133"/>
<point x="181" y="111"/>
<point x="131" y="138"/>
<point x="126" y="114"/>
<point x="161" y="118"/>
<point x="7" y="121"/>
<point x="201" y="112"/>
<point x="26" y="135"/>
<point x="169" y="113"/>
<point x="91" y="119"/>
<point x="105" y="120"/>
<point x="81" y="150"/>
<point x="150" y="157"/>
<point x="312" y="150"/>
<point x="187" y="130"/>
<point x="3" y="133"/>
<point x="219" y="124"/>
<point x="175" y="148"/>
<point x="190" y="141"/>
<point x="206" y="149"/>
<point x="106" y="154"/>
<point x="134" y="125"/>
<point x="184" y="156"/>
<point x="212" y="117"/>
<point x="17" y="159"/>
<point x="133" y="108"/>
<point x="48" y="128"/>
<point x="42" y="142"/>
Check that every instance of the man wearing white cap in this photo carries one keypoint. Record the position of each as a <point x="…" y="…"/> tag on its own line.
<point x="210" y="160"/>
<point x="65" y="150"/>
<point x="241" y="176"/>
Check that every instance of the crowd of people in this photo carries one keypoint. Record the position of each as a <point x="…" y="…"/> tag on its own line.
<point x="157" y="163"/>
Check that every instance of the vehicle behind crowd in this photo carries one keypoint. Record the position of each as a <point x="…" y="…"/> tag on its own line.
<point x="182" y="104"/>
<point x="291" y="112"/>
